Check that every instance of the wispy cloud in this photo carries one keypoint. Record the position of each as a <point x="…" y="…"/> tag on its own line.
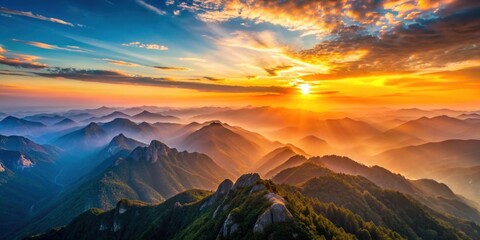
<point x="192" y="59"/>
<point x="19" y="60"/>
<point x="171" y="68"/>
<point x="36" y="16"/>
<point x="117" y="77"/>
<point x="147" y="46"/>
<point x="120" y="62"/>
<point x="50" y="46"/>
<point x="151" y="7"/>
<point x="273" y="71"/>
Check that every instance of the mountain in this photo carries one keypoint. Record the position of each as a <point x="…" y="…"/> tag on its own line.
<point x="15" y="126"/>
<point x="96" y="135"/>
<point x="291" y="162"/>
<point x="47" y="119"/>
<point x="27" y="178"/>
<point x="97" y="112"/>
<point x="79" y="117"/>
<point x="463" y="180"/>
<point x="90" y="137"/>
<point x="109" y="117"/>
<point x="344" y="132"/>
<point x="147" y="116"/>
<point x="253" y="208"/>
<point x="119" y="147"/>
<point x="468" y="115"/>
<point x="65" y="123"/>
<point x="276" y="157"/>
<point x="437" y="128"/>
<point x="315" y="146"/>
<point x="420" y="160"/>
<point x="150" y="174"/>
<point x="427" y="194"/>
<point x="232" y="148"/>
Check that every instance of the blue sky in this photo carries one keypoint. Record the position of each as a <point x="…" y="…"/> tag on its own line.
<point x="345" y="51"/>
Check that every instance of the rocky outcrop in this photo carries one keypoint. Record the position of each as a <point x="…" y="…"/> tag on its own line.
<point x="246" y="180"/>
<point x="277" y="213"/>
<point x="2" y="168"/>
<point x="152" y="153"/>
<point x="258" y="187"/>
<point x="222" y="190"/>
<point x="229" y="227"/>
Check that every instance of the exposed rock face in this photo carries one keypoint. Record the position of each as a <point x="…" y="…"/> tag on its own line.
<point x="23" y="162"/>
<point x="223" y="189"/>
<point x="258" y="187"/>
<point x="229" y="227"/>
<point x="246" y="180"/>
<point x="277" y="213"/>
<point x="152" y="152"/>
<point x="121" y="207"/>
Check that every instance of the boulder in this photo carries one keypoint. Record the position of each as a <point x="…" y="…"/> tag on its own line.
<point x="277" y="213"/>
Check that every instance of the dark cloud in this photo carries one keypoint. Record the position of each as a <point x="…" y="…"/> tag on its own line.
<point x="213" y="79"/>
<point x="114" y="77"/>
<point x="171" y="68"/>
<point x="273" y="71"/>
<point x="427" y="43"/>
<point x="23" y="61"/>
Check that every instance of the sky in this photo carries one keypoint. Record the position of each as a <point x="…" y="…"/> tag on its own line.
<point x="315" y="55"/>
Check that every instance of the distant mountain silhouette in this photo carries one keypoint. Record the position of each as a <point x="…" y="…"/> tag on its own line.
<point x="109" y="117"/>
<point x="15" y="126"/>
<point x="232" y="148"/>
<point x="275" y="158"/>
<point x="147" y="116"/>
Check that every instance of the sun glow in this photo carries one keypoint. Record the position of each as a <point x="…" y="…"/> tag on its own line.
<point x="305" y="88"/>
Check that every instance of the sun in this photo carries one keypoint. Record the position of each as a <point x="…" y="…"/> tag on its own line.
<point x="305" y="88"/>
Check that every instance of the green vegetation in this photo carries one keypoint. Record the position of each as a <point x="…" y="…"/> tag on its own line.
<point x="376" y="214"/>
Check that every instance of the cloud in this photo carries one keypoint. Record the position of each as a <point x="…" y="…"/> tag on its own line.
<point x="150" y="7"/>
<point x="36" y="16"/>
<point x="213" y="79"/>
<point x="192" y="59"/>
<point x="171" y="68"/>
<point x="49" y="46"/>
<point x="147" y="46"/>
<point x="20" y="60"/>
<point x="117" y="77"/>
<point x="418" y="47"/>
<point x="311" y="17"/>
<point x="119" y="62"/>
<point x="273" y="71"/>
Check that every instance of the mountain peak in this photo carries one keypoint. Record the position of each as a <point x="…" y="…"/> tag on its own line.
<point x="92" y="125"/>
<point x="246" y="180"/>
<point x="65" y="121"/>
<point x="152" y="153"/>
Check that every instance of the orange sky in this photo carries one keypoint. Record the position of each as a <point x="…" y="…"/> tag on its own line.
<point x="408" y="53"/>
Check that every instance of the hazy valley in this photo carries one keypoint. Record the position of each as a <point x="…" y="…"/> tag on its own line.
<point x="84" y="169"/>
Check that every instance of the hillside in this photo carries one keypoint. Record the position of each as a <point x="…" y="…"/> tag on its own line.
<point x="257" y="209"/>
<point x="428" y="194"/>
<point x="27" y="174"/>
<point x="151" y="174"/>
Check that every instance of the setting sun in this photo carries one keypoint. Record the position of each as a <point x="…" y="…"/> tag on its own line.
<point x="305" y="88"/>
